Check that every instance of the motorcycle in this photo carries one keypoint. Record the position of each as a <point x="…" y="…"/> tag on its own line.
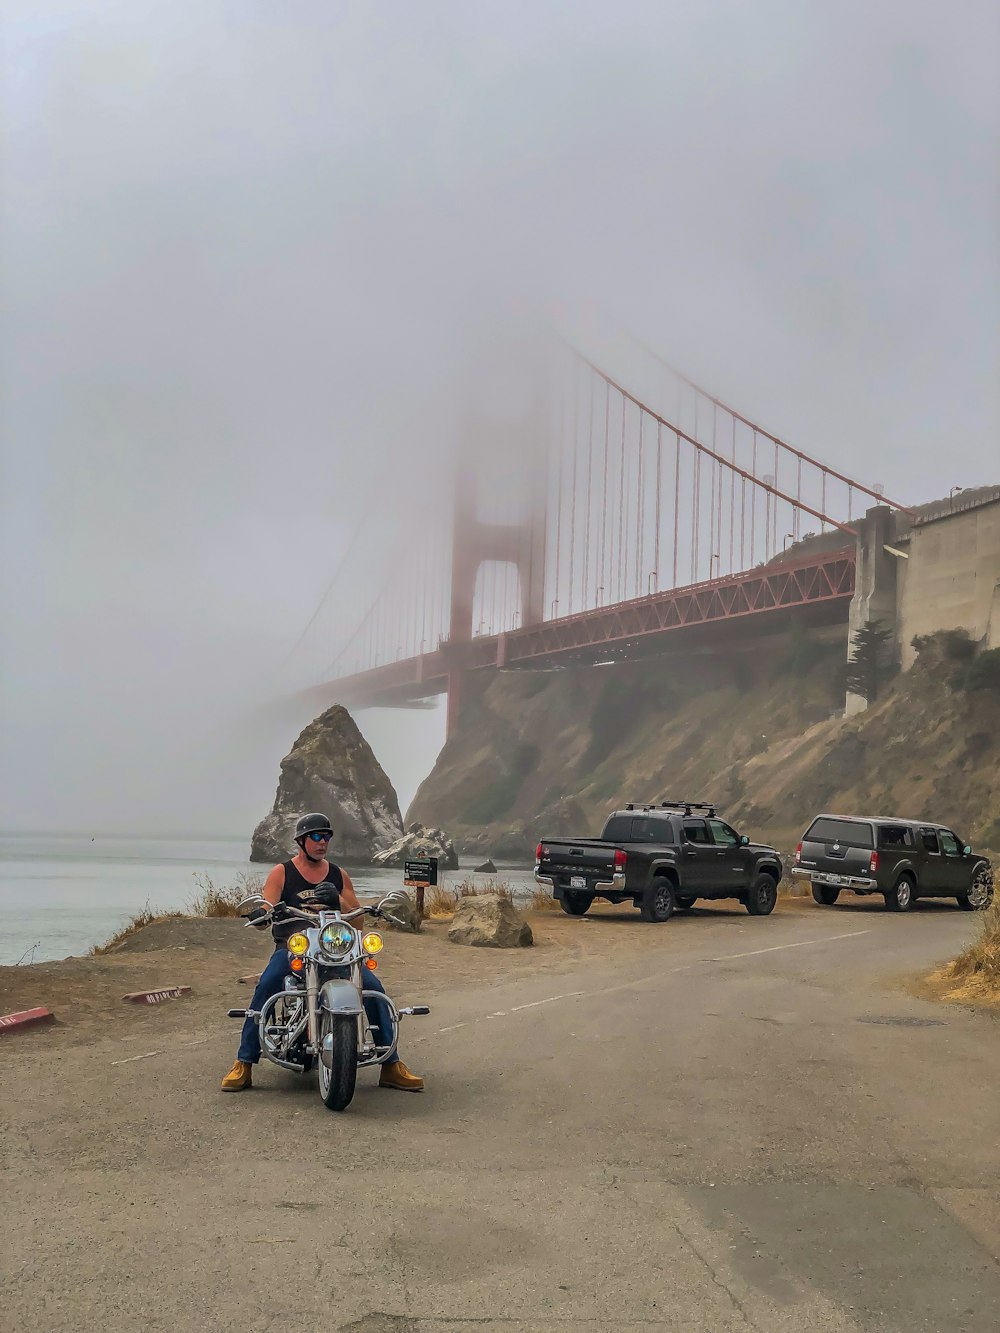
<point x="319" y="1018"/>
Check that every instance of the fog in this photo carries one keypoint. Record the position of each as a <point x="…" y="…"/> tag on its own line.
<point x="251" y="252"/>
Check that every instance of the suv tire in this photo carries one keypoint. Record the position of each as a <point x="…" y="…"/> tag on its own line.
<point x="576" y="903"/>
<point x="763" y="895"/>
<point x="658" y="901"/>
<point x="980" y="893"/>
<point x="825" y="894"/>
<point x="900" y="897"/>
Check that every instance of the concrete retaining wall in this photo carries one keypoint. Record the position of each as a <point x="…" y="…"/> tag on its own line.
<point x="952" y="577"/>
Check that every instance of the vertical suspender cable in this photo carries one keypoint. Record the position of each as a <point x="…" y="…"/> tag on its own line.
<point x="590" y="492"/>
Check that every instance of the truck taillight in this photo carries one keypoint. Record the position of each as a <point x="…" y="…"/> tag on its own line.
<point x="873" y="863"/>
<point x="538" y="852"/>
<point x="619" y="860"/>
<point x="798" y="854"/>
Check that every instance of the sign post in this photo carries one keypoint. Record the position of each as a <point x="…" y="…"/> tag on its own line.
<point x="420" y="875"/>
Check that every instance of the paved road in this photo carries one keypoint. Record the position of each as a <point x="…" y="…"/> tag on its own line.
<point x="752" y="1127"/>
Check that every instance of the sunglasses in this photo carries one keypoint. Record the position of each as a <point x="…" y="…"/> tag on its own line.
<point x="320" y="837"/>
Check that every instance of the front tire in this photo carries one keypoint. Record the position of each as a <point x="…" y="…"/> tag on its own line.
<point x="900" y="897"/>
<point x="336" y="1085"/>
<point x="576" y="903"/>
<point x="980" y="893"/>
<point x="658" y="901"/>
<point x="763" y="895"/>
<point x="825" y="894"/>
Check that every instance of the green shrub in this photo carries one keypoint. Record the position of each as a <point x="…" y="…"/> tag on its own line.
<point x="945" y="645"/>
<point x="982" y="673"/>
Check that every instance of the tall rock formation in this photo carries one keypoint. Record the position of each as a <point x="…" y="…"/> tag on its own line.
<point x="331" y="768"/>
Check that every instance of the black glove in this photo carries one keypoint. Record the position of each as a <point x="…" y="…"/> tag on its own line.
<point x="326" y="896"/>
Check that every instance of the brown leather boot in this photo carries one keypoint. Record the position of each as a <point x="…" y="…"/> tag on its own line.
<point x="239" y="1077"/>
<point x="396" y="1075"/>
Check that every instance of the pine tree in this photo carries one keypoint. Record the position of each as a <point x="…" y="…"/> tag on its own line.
<point x="870" y="661"/>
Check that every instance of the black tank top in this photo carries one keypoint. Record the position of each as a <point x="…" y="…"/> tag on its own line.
<point x="296" y="887"/>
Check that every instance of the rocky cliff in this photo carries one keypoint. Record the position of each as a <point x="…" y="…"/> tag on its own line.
<point x="331" y="768"/>
<point x="757" y="727"/>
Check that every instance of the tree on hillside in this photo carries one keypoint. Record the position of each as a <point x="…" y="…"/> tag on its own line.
<point x="870" y="662"/>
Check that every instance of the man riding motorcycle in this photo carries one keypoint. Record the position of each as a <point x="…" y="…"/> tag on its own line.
<point x="301" y="877"/>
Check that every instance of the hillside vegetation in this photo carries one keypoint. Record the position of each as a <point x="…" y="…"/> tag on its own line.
<point x="758" y="729"/>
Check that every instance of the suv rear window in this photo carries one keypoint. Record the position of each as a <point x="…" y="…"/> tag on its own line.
<point x="844" y="831"/>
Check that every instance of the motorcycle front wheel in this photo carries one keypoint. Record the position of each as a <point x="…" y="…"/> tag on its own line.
<point x="338" y="1039"/>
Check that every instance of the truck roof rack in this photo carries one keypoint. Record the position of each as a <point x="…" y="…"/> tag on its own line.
<point x="687" y="806"/>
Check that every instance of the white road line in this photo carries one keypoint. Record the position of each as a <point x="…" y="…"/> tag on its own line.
<point x="570" y="995"/>
<point x="454" y="1027"/>
<point x="801" y="944"/>
<point x="148" y="1056"/>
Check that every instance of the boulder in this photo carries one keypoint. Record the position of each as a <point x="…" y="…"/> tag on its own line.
<point x="489" y="922"/>
<point x="331" y="768"/>
<point x="418" y="842"/>
<point x="408" y="919"/>
<point x="487" y="868"/>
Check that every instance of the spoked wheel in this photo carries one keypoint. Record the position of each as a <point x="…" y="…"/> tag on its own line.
<point x="980" y="893"/>
<point x="658" y="901"/>
<point x="900" y="897"/>
<point x="576" y="903"/>
<point x="762" y="897"/>
<point x="338" y="1059"/>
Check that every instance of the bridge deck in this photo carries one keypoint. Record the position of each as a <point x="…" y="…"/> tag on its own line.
<point x="623" y="630"/>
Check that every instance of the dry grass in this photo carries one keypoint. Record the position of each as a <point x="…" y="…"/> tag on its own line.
<point x="542" y="900"/>
<point x="442" y="900"/>
<point x="982" y="958"/>
<point x="144" y="918"/>
<point x="222" y="900"/>
<point x="210" y="900"/>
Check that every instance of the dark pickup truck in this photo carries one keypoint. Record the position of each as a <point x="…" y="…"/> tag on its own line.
<point x="902" y="859"/>
<point x="660" y="857"/>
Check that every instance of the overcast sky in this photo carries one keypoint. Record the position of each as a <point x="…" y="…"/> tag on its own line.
<point x="247" y="248"/>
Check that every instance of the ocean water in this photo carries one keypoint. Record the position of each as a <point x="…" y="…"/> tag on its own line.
<point x="61" y="895"/>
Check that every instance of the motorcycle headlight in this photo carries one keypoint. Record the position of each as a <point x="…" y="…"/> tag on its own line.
<point x="372" y="942"/>
<point x="336" y="939"/>
<point x="297" y="945"/>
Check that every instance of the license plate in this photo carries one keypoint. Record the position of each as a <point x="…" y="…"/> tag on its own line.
<point x="831" y="879"/>
<point x="577" y="882"/>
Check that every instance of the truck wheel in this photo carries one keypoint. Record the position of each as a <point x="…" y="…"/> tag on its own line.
<point x="658" y="901"/>
<point x="763" y="895"/>
<point x="685" y="903"/>
<point x="980" y="893"/>
<point x="900" y="896"/>
<point x="825" y="894"/>
<point x="576" y="904"/>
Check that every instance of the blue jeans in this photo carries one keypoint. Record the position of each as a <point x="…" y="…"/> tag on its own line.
<point x="272" y="980"/>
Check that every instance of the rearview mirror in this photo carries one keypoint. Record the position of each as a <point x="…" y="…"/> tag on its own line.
<point x="744" y="840"/>
<point x="966" y="851"/>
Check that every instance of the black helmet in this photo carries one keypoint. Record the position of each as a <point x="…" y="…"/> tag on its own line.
<point x="312" y="824"/>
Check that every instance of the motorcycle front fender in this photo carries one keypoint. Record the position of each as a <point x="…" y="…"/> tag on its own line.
<point x="340" y="997"/>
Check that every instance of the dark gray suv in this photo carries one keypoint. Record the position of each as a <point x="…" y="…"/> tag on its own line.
<point x="903" y="859"/>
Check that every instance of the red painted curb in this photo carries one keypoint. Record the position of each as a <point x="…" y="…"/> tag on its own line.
<point x="156" y="996"/>
<point x="249" y="981"/>
<point x="25" y="1018"/>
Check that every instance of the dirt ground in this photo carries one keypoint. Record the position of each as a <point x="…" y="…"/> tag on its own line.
<point x="209" y="955"/>
<point x="718" y="1125"/>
